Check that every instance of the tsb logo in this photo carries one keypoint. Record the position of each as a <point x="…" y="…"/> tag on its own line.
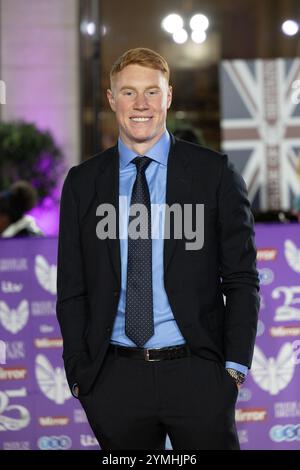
<point x="266" y="276"/>
<point x="54" y="442"/>
<point x="289" y="432"/>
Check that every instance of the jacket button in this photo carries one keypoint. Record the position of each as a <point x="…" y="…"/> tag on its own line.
<point x="116" y="293"/>
<point x="108" y="329"/>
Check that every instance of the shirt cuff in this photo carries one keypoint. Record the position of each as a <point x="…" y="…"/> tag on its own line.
<point x="236" y="366"/>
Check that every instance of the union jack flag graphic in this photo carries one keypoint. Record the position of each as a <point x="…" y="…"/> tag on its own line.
<point x="261" y="127"/>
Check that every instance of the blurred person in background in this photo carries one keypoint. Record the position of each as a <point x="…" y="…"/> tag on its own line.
<point x="14" y="203"/>
<point x="189" y="135"/>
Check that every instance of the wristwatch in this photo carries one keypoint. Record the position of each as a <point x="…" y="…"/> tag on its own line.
<point x="238" y="376"/>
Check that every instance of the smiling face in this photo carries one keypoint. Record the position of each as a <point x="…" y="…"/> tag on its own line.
<point x="140" y="97"/>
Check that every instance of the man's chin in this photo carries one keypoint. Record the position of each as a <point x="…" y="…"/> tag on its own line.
<point x="141" y="139"/>
<point x="144" y="137"/>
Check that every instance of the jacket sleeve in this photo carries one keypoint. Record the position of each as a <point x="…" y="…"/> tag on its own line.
<point x="72" y="305"/>
<point x="237" y="254"/>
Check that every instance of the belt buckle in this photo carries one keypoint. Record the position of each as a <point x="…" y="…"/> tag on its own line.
<point x="147" y="356"/>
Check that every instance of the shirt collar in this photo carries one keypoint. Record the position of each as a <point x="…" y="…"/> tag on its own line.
<point x="159" y="152"/>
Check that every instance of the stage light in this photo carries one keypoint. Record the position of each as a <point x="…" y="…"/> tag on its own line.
<point x="90" y="28"/>
<point x="172" y="23"/>
<point x="290" y="27"/>
<point x="198" y="36"/>
<point x="180" y="36"/>
<point x="103" y="30"/>
<point x="199" y="22"/>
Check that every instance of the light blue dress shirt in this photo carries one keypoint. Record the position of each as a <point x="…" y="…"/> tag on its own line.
<point x="167" y="332"/>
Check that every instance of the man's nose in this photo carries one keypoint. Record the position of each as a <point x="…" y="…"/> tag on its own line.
<point x="141" y="102"/>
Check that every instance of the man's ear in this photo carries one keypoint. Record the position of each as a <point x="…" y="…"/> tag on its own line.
<point x="169" y="98"/>
<point x="111" y="99"/>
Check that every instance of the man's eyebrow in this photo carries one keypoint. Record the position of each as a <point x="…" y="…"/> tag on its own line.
<point x="128" y="87"/>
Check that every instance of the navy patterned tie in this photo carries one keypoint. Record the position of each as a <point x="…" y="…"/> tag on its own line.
<point x="139" y="326"/>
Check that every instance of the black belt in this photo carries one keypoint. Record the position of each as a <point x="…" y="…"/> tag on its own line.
<point x="172" y="352"/>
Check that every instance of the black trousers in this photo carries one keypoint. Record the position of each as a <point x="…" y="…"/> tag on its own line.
<point x="134" y="404"/>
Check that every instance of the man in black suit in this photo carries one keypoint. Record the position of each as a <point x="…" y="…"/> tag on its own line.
<point x="158" y="331"/>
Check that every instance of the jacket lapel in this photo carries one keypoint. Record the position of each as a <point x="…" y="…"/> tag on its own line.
<point x="107" y="189"/>
<point x="178" y="191"/>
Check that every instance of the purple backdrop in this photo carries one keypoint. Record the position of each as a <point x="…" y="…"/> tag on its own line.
<point x="36" y="407"/>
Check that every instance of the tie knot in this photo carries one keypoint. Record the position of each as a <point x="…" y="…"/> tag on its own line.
<point x="141" y="163"/>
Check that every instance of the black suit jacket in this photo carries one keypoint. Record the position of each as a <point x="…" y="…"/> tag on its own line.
<point x="89" y="269"/>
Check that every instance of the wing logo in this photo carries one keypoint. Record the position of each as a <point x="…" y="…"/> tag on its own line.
<point x="46" y="274"/>
<point x="52" y="381"/>
<point x="14" y="319"/>
<point x="273" y="374"/>
<point x="292" y="255"/>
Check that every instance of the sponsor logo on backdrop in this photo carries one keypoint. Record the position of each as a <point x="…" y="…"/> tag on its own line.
<point x="282" y="331"/>
<point x="266" y="276"/>
<point x="273" y="374"/>
<point x="51" y="381"/>
<point x="53" y="421"/>
<point x="46" y="328"/>
<point x="54" y="442"/>
<point x="245" y="415"/>
<point x="287" y="311"/>
<point x="9" y="287"/>
<point x="13" y="417"/>
<point x="13" y="264"/>
<point x="15" y="350"/>
<point x="2" y="352"/>
<point x="245" y="394"/>
<point x="46" y="343"/>
<point x="86" y="440"/>
<point x="260" y="328"/>
<point x="267" y="254"/>
<point x="292" y="255"/>
<point x="46" y="274"/>
<point x="243" y="436"/>
<point x="296" y="349"/>
<point x="79" y="416"/>
<point x="287" y="409"/>
<point x="16" y="445"/>
<point x="286" y="433"/>
<point x="43" y="308"/>
<point x="13" y="373"/>
<point x="14" y="319"/>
